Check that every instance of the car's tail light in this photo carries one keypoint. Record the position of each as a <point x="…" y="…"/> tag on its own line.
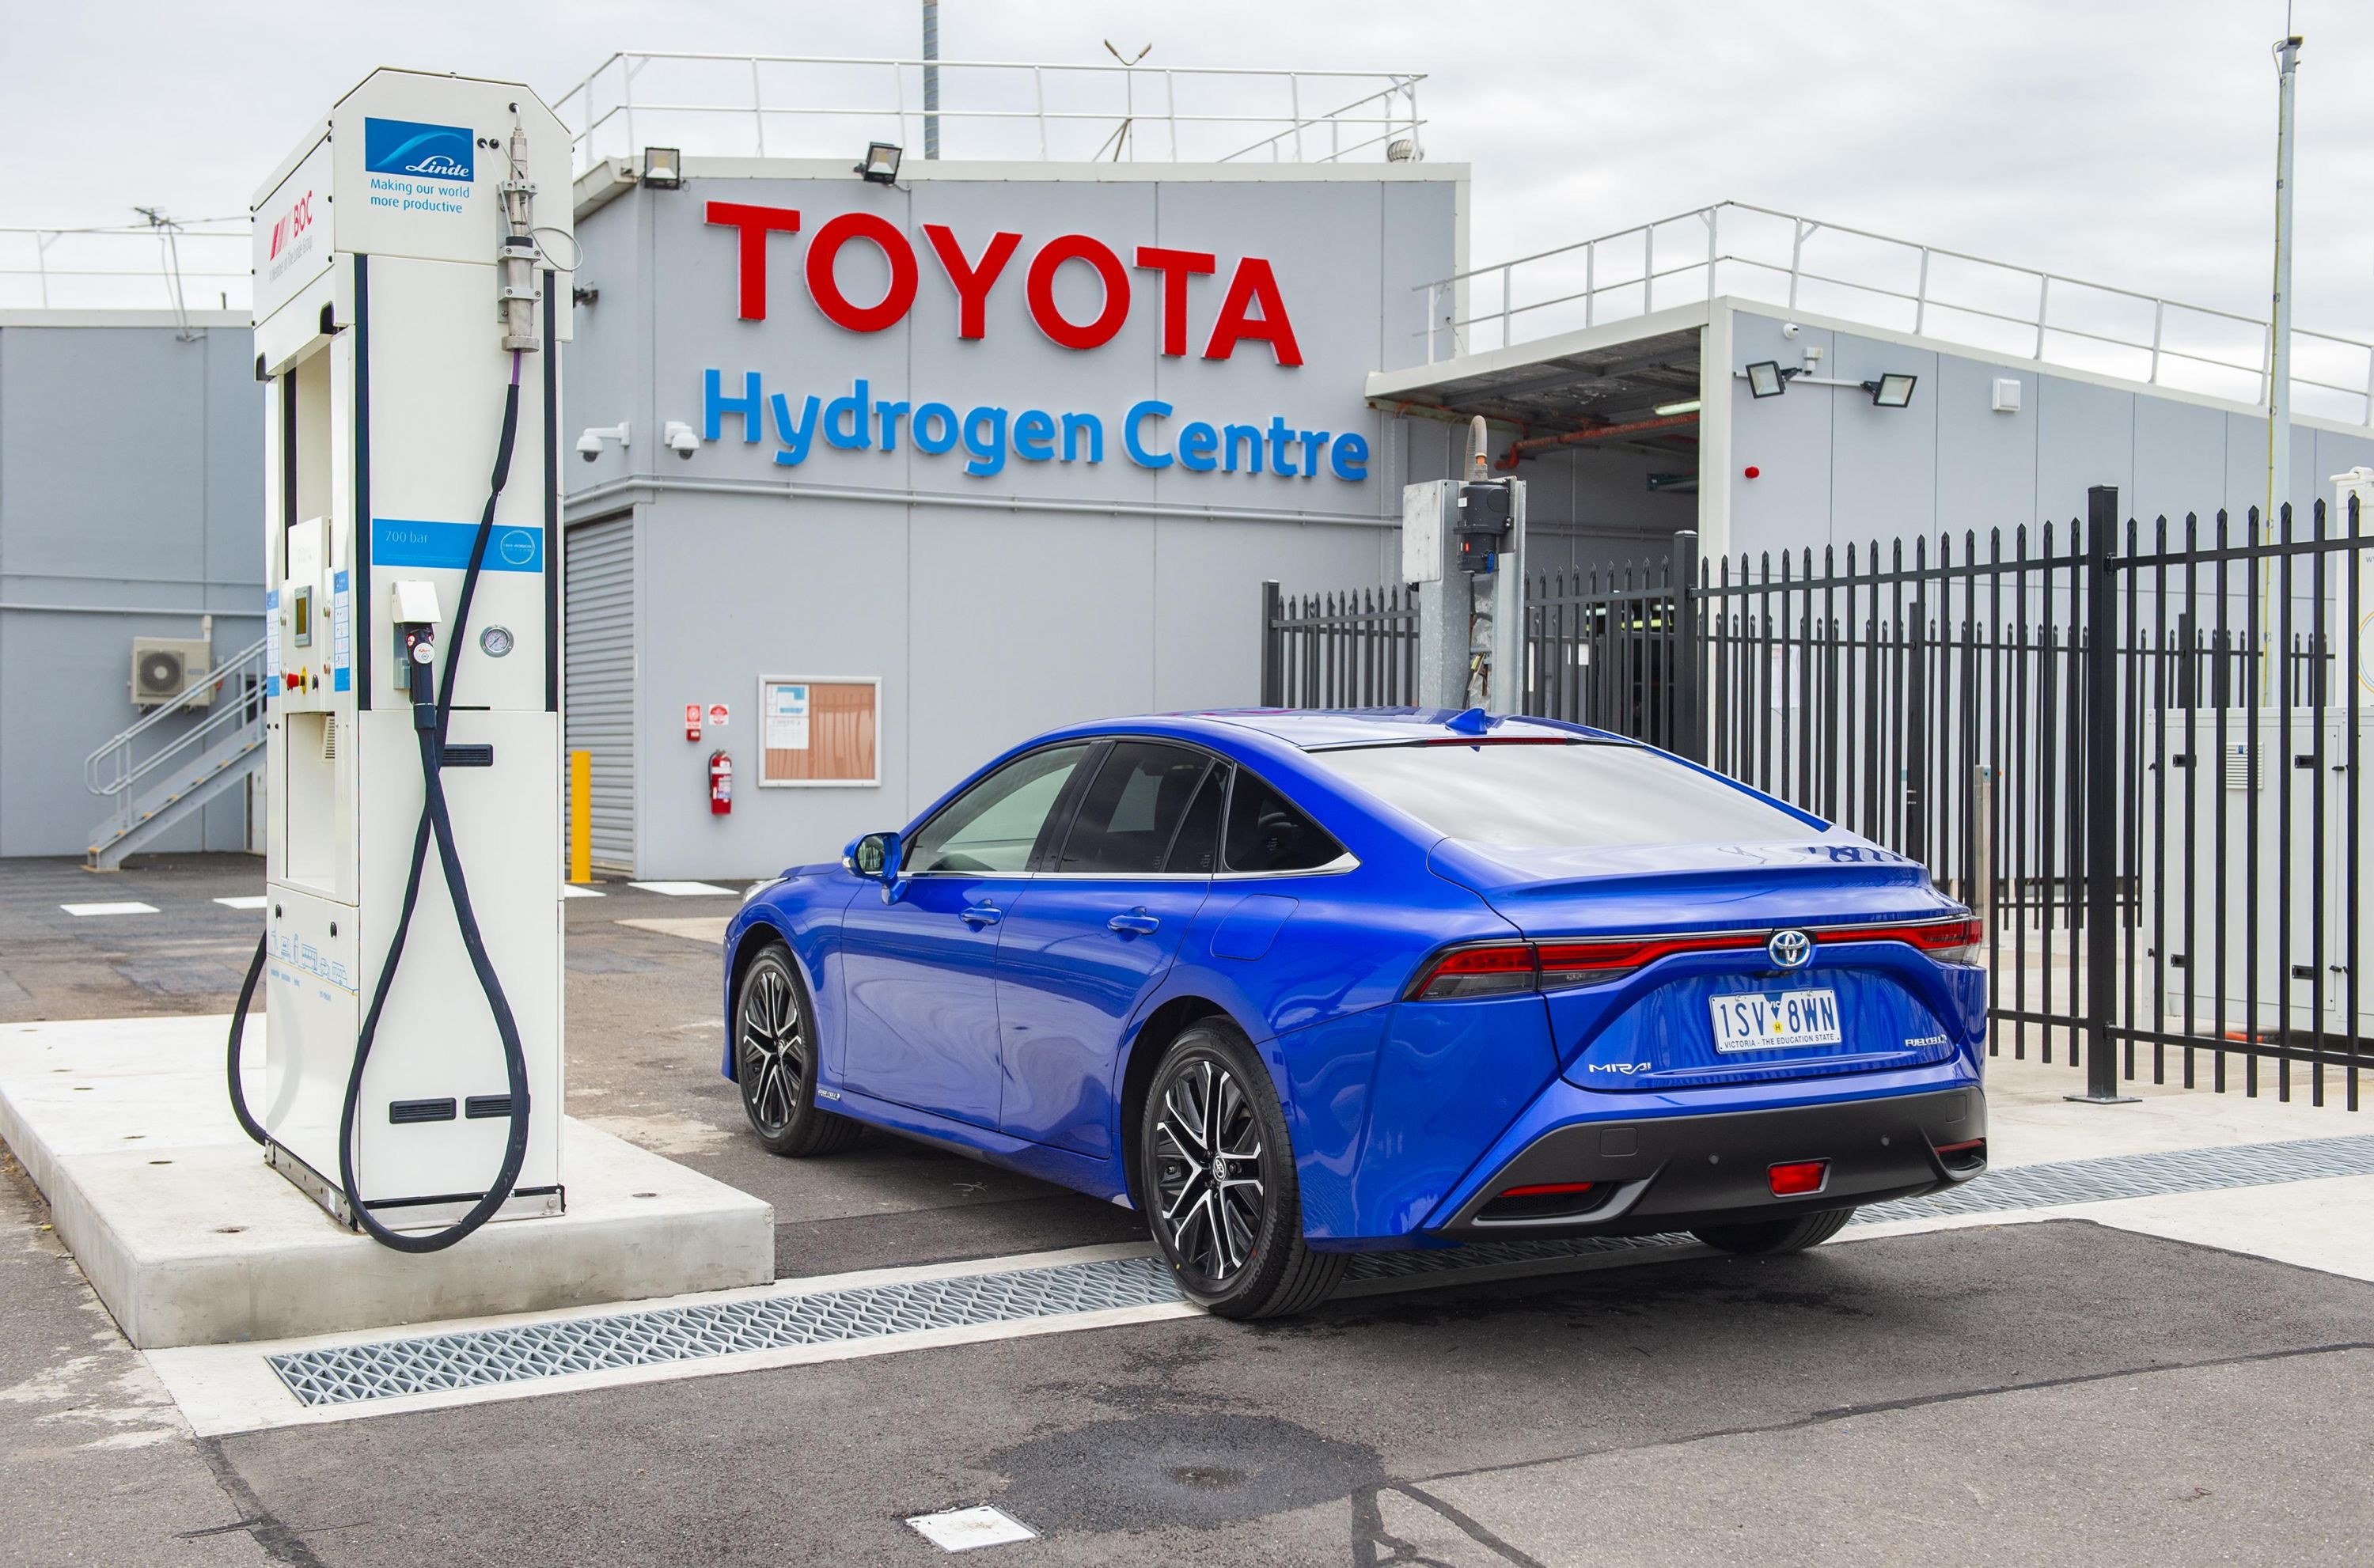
<point x="1565" y="964"/>
<point x="1969" y="1154"/>
<point x="1546" y="1200"/>
<point x="1495" y="970"/>
<point x="1955" y="940"/>
<point x="1501" y="968"/>
<point x="1799" y="1178"/>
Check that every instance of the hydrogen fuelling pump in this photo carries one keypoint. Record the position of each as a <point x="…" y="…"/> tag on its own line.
<point x="408" y="317"/>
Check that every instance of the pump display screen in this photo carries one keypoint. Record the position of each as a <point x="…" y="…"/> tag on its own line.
<point x="300" y="619"/>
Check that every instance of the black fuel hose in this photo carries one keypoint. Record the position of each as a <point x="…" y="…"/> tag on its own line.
<point x="431" y="720"/>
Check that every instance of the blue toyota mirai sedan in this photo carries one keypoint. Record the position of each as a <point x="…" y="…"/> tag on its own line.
<point x="1298" y="985"/>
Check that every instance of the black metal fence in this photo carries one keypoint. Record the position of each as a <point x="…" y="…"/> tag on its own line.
<point x="2137" y="748"/>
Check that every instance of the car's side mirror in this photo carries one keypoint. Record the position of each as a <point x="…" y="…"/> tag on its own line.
<point x="874" y="857"/>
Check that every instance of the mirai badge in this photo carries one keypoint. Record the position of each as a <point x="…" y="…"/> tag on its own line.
<point x="1790" y="950"/>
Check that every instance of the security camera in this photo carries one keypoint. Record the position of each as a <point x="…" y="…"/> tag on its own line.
<point x="680" y="440"/>
<point x="1789" y="331"/>
<point x="589" y="445"/>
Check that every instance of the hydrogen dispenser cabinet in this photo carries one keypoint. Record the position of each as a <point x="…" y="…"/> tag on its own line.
<point x="410" y="305"/>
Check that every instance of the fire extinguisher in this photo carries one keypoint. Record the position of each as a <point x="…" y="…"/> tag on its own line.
<point x="720" y="784"/>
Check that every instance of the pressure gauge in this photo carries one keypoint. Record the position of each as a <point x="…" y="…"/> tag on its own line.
<point x="495" y="641"/>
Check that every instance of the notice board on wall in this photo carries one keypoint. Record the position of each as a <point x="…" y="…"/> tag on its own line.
<point x="819" y="732"/>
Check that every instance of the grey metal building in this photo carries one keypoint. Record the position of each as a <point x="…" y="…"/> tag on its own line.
<point x="885" y="475"/>
<point x="131" y="482"/>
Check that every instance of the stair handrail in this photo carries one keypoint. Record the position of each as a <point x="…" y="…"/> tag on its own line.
<point x="110" y="770"/>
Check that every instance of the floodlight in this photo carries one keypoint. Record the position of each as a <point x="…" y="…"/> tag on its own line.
<point x="662" y="168"/>
<point x="1764" y="379"/>
<point x="1890" y="391"/>
<point x="881" y="165"/>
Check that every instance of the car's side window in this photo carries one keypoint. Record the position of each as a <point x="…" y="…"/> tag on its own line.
<point x="1269" y="833"/>
<point x="1196" y="847"/>
<point x="1133" y="810"/>
<point x="994" y="825"/>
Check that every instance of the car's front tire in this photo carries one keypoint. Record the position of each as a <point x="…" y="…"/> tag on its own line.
<point x="1217" y="1174"/>
<point x="1771" y="1238"/>
<point x="774" y="1060"/>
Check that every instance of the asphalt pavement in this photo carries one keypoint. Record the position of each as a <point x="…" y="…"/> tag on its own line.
<point x="2059" y="1392"/>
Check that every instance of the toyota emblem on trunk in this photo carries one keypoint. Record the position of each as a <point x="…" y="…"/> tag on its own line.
<point x="1790" y="950"/>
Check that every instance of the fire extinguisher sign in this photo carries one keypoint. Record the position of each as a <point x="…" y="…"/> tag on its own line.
<point x="692" y="720"/>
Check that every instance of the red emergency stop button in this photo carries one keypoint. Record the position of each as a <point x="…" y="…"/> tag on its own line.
<point x="295" y="680"/>
<point x="1799" y="1178"/>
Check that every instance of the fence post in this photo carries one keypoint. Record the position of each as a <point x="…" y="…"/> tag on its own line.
<point x="2101" y="799"/>
<point x="1689" y="666"/>
<point x="1273" y="654"/>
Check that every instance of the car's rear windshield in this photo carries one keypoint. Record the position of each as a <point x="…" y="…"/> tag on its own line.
<point x="1584" y="795"/>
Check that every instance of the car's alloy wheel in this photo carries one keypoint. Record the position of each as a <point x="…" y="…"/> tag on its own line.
<point x="773" y="1060"/>
<point x="1207" y="1154"/>
<point x="1215" y="1174"/>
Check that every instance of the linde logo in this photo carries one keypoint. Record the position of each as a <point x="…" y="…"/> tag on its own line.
<point x="1251" y="309"/>
<point x="415" y="148"/>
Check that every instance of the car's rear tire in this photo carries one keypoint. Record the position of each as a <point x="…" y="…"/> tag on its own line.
<point x="1216" y="1171"/>
<point x="774" y="1060"/>
<point x="1770" y="1238"/>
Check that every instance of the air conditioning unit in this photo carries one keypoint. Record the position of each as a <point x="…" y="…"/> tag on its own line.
<point x="165" y="667"/>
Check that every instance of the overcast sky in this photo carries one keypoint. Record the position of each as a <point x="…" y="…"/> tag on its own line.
<point x="2128" y="143"/>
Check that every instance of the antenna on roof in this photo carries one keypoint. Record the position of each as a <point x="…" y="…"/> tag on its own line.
<point x="1119" y="140"/>
<point x="168" y="228"/>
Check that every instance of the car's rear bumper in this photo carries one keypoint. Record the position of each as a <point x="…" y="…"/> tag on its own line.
<point x="1678" y="1172"/>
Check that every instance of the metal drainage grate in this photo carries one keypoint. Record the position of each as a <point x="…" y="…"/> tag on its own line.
<point x="2137" y="1175"/>
<point x="478" y="1357"/>
<point x="392" y="1367"/>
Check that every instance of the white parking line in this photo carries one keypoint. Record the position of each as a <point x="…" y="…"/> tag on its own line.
<point x="570" y="890"/>
<point x="686" y="889"/>
<point x="246" y="901"/>
<point x="80" y="911"/>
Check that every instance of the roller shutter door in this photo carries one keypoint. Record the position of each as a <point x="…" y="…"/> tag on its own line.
<point x="600" y="677"/>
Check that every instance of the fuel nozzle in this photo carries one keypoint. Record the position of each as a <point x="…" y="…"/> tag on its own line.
<point x="515" y="290"/>
<point x="415" y="618"/>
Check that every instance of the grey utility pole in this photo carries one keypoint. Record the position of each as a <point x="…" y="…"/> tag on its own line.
<point x="2279" y="350"/>
<point x="931" y="79"/>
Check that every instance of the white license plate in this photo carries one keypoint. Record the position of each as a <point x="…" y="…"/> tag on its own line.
<point x="1764" y="1021"/>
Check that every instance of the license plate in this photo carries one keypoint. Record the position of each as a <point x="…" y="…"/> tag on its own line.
<point x="1765" y="1021"/>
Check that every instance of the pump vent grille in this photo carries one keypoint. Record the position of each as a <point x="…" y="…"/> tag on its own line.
<point x="431" y="1362"/>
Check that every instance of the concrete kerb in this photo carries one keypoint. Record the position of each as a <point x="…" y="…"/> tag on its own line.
<point x="190" y="1239"/>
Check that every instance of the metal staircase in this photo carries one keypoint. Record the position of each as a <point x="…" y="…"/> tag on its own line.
<point x="156" y="774"/>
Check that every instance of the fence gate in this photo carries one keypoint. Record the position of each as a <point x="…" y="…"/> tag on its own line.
<point x="2158" y="734"/>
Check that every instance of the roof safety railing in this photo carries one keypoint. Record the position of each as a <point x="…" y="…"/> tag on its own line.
<point x="796" y="106"/>
<point x="199" y="265"/>
<point x="1778" y="258"/>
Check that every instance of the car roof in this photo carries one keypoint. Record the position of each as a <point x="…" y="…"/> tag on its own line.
<point x="1321" y="728"/>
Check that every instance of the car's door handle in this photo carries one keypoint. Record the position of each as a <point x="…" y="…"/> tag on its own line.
<point x="980" y="914"/>
<point x="1136" y="922"/>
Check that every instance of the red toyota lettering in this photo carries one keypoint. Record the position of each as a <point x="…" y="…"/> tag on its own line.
<point x="825" y="290"/>
<point x="754" y="224"/>
<point x="1040" y="291"/>
<point x="1176" y="267"/>
<point x="1254" y="284"/>
<point x="971" y="280"/>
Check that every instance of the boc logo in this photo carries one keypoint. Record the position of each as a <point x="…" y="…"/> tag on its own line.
<point x="1790" y="950"/>
<point x="517" y="548"/>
